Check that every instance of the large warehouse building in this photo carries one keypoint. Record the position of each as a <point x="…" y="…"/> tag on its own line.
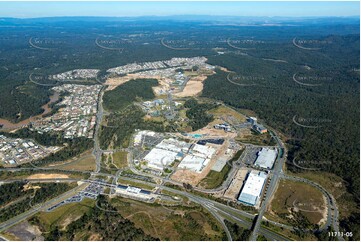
<point x="194" y="163"/>
<point x="266" y="158"/>
<point x="253" y="187"/>
<point x="159" y="158"/>
<point x="165" y="153"/>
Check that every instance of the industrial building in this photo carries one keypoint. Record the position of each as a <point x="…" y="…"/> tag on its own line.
<point x="135" y="193"/>
<point x="159" y="158"/>
<point x="256" y="126"/>
<point x="194" y="163"/>
<point x="253" y="187"/>
<point x="203" y="151"/>
<point x="174" y="145"/>
<point x="259" y="128"/>
<point x="224" y="126"/>
<point x="266" y="158"/>
<point x="166" y="152"/>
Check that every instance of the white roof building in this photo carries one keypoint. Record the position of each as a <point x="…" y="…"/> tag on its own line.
<point x="266" y="158"/>
<point x="194" y="163"/>
<point x="203" y="150"/>
<point x="252" y="189"/>
<point x="173" y="145"/>
<point x="159" y="158"/>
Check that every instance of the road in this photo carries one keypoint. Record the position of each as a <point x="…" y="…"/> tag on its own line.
<point x="97" y="152"/>
<point x="218" y="210"/>
<point x="274" y="179"/>
<point x="217" y="207"/>
<point x="7" y="224"/>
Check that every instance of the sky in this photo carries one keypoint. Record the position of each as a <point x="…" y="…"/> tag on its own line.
<point x="121" y="9"/>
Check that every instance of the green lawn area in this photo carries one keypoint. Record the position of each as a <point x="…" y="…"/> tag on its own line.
<point x="120" y="159"/>
<point x="135" y="184"/>
<point x="63" y="215"/>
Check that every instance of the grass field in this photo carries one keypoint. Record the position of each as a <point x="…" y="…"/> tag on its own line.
<point x="120" y="159"/>
<point x="63" y="215"/>
<point x="135" y="184"/>
<point x="292" y="198"/>
<point x="170" y="223"/>
<point x="214" y="178"/>
<point x="85" y="162"/>
<point x="225" y="111"/>
<point x="252" y="137"/>
<point x="336" y="186"/>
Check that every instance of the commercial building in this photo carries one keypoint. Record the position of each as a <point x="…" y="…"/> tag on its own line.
<point x="135" y="193"/>
<point x="253" y="187"/>
<point x="194" y="163"/>
<point x="203" y="151"/>
<point x="160" y="158"/>
<point x="166" y="152"/>
<point x="266" y="158"/>
<point x="224" y="126"/>
<point x="259" y="128"/>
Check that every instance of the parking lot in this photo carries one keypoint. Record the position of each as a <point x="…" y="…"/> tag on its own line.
<point x="251" y="155"/>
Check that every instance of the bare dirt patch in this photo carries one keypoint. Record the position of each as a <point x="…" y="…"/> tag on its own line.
<point x="236" y="184"/>
<point x="26" y="232"/>
<point x="193" y="87"/>
<point x="47" y="176"/>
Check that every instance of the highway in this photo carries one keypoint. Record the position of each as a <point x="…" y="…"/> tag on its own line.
<point x="7" y="224"/>
<point x="217" y="207"/>
<point x="97" y="152"/>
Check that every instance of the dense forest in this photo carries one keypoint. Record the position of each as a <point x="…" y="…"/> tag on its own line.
<point x="125" y="94"/>
<point x="197" y="113"/>
<point x="331" y="108"/>
<point x="238" y="233"/>
<point x="11" y="191"/>
<point x="121" y="125"/>
<point x="45" y="192"/>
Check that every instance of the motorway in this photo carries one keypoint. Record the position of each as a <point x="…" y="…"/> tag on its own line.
<point x="217" y="209"/>
<point x="97" y="152"/>
<point x="7" y="224"/>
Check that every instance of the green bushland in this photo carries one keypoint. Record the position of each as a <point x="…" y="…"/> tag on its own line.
<point x="123" y="95"/>
<point x="197" y="113"/>
<point x="12" y="191"/>
<point x="107" y="225"/>
<point x="121" y="126"/>
<point x="45" y="192"/>
<point x="237" y="232"/>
